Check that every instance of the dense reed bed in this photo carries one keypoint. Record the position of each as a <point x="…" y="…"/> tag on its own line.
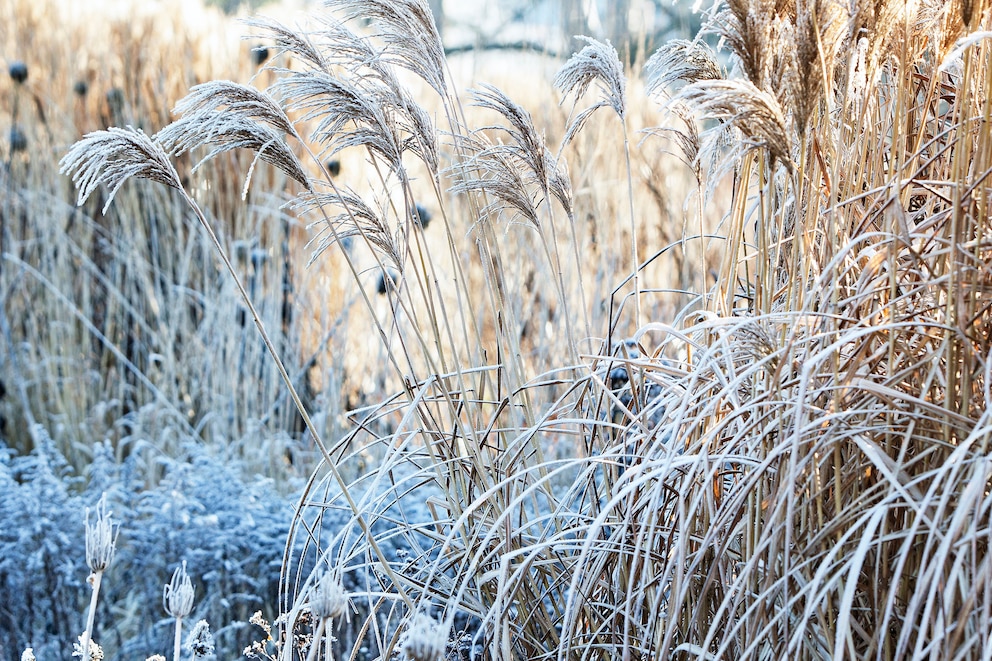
<point x="756" y="428"/>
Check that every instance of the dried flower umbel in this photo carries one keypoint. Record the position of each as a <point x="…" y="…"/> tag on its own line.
<point x="177" y="599"/>
<point x="101" y="543"/>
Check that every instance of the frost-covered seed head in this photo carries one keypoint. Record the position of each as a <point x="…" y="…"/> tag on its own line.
<point x="328" y="599"/>
<point x="425" y="639"/>
<point x="200" y="641"/>
<point x="96" y="652"/>
<point x="28" y="655"/>
<point x="101" y="538"/>
<point x="177" y="599"/>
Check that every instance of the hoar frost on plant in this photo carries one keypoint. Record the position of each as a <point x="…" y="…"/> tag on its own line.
<point x="329" y="599"/>
<point x="177" y="598"/>
<point x="101" y="538"/>
<point x="200" y="641"/>
<point x="425" y="639"/>
<point x="96" y="652"/>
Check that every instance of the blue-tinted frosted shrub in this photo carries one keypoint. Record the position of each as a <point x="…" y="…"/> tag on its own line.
<point x="230" y="528"/>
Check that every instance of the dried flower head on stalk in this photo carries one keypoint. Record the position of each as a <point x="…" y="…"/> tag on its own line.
<point x="101" y="538"/>
<point x="177" y="597"/>
<point x="329" y="599"/>
<point x="425" y="639"/>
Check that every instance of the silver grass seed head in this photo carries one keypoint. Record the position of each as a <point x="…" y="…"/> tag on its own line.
<point x="425" y="639"/>
<point x="112" y="157"/>
<point x="200" y="641"/>
<point x="408" y="32"/>
<point x="329" y="599"/>
<point x="28" y="655"/>
<point x="680" y="60"/>
<point x="177" y="598"/>
<point x="598" y="61"/>
<point x="101" y="537"/>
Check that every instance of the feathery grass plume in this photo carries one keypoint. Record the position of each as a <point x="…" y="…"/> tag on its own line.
<point x="357" y="218"/>
<point x="112" y="157"/>
<point x="747" y="26"/>
<point x="348" y="113"/>
<point x="532" y="152"/>
<point x="288" y="40"/>
<point x="680" y="61"/>
<point x="819" y="32"/>
<point x="546" y="171"/>
<point x="177" y="600"/>
<point x="230" y="116"/>
<point x="495" y="171"/>
<point x="101" y="544"/>
<point x="408" y="32"/>
<point x="756" y="113"/>
<point x="28" y="655"/>
<point x="597" y="62"/>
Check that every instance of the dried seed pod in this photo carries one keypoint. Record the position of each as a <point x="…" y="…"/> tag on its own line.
<point x="18" y="71"/>
<point x="259" y="54"/>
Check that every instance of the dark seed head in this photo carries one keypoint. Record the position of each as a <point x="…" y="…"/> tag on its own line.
<point x="258" y="258"/>
<point x="617" y="378"/>
<point x="115" y="102"/>
<point x="386" y="282"/>
<point x="421" y="215"/>
<point x="259" y="54"/>
<point x="18" y="141"/>
<point x="18" y="71"/>
<point x="81" y="88"/>
<point x="334" y="167"/>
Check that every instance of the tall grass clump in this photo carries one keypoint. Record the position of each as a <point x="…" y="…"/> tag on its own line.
<point x="792" y="465"/>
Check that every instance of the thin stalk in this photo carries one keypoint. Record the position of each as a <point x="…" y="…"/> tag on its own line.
<point x="177" y="638"/>
<point x="297" y="401"/>
<point x="633" y="227"/>
<point x="96" y="577"/>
